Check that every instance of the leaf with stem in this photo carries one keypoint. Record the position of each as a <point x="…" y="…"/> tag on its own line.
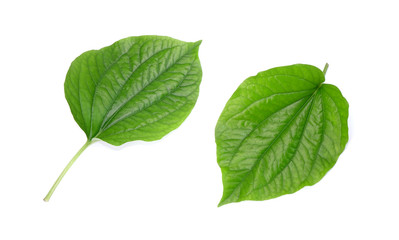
<point x="139" y="88"/>
<point x="281" y="130"/>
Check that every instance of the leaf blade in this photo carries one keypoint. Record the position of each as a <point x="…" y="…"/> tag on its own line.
<point x="268" y="159"/>
<point x="118" y="80"/>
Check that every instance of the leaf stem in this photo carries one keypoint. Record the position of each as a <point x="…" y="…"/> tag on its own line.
<point x="50" y="193"/>
<point x="325" y="69"/>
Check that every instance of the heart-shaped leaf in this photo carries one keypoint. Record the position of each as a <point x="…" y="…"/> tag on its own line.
<point x="282" y="129"/>
<point x="139" y="88"/>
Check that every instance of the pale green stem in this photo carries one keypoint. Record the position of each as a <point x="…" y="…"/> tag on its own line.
<point x="48" y="196"/>
<point x="325" y="69"/>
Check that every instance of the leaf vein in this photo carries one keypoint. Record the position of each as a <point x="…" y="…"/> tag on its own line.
<point x="155" y="102"/>
<point x="256" y="127"/>
<point x="296" y="149"/>
<point x="321" y="140"/>
<point x="105" y="126"/>
<point x="100" y="80"/>
<point x="265" y="98"/>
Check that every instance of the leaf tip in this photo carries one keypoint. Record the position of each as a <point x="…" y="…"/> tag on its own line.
<point x="223" y="201"/>
<point x="198" y="42"/>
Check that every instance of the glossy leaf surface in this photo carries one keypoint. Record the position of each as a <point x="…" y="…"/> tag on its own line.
<point x="139" y="88"/>
<point x="281" y="130"/>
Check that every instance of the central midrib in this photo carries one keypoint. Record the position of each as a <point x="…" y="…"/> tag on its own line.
<point x="277" y="137"/>
<point x="107" y="122"/>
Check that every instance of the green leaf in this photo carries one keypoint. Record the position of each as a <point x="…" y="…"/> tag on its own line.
<point x="139" y="88"/>
<point x="281" y="130"/>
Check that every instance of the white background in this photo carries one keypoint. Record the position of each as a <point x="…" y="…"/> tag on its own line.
<point x="169" y="189"/>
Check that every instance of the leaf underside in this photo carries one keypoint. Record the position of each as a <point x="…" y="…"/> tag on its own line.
<point x="281" y="130"/>
<point x="139" y="88"/>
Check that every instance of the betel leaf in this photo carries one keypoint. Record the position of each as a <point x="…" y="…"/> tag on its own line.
<point x="281" y="130"/>
<point x="139" y="88"/>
